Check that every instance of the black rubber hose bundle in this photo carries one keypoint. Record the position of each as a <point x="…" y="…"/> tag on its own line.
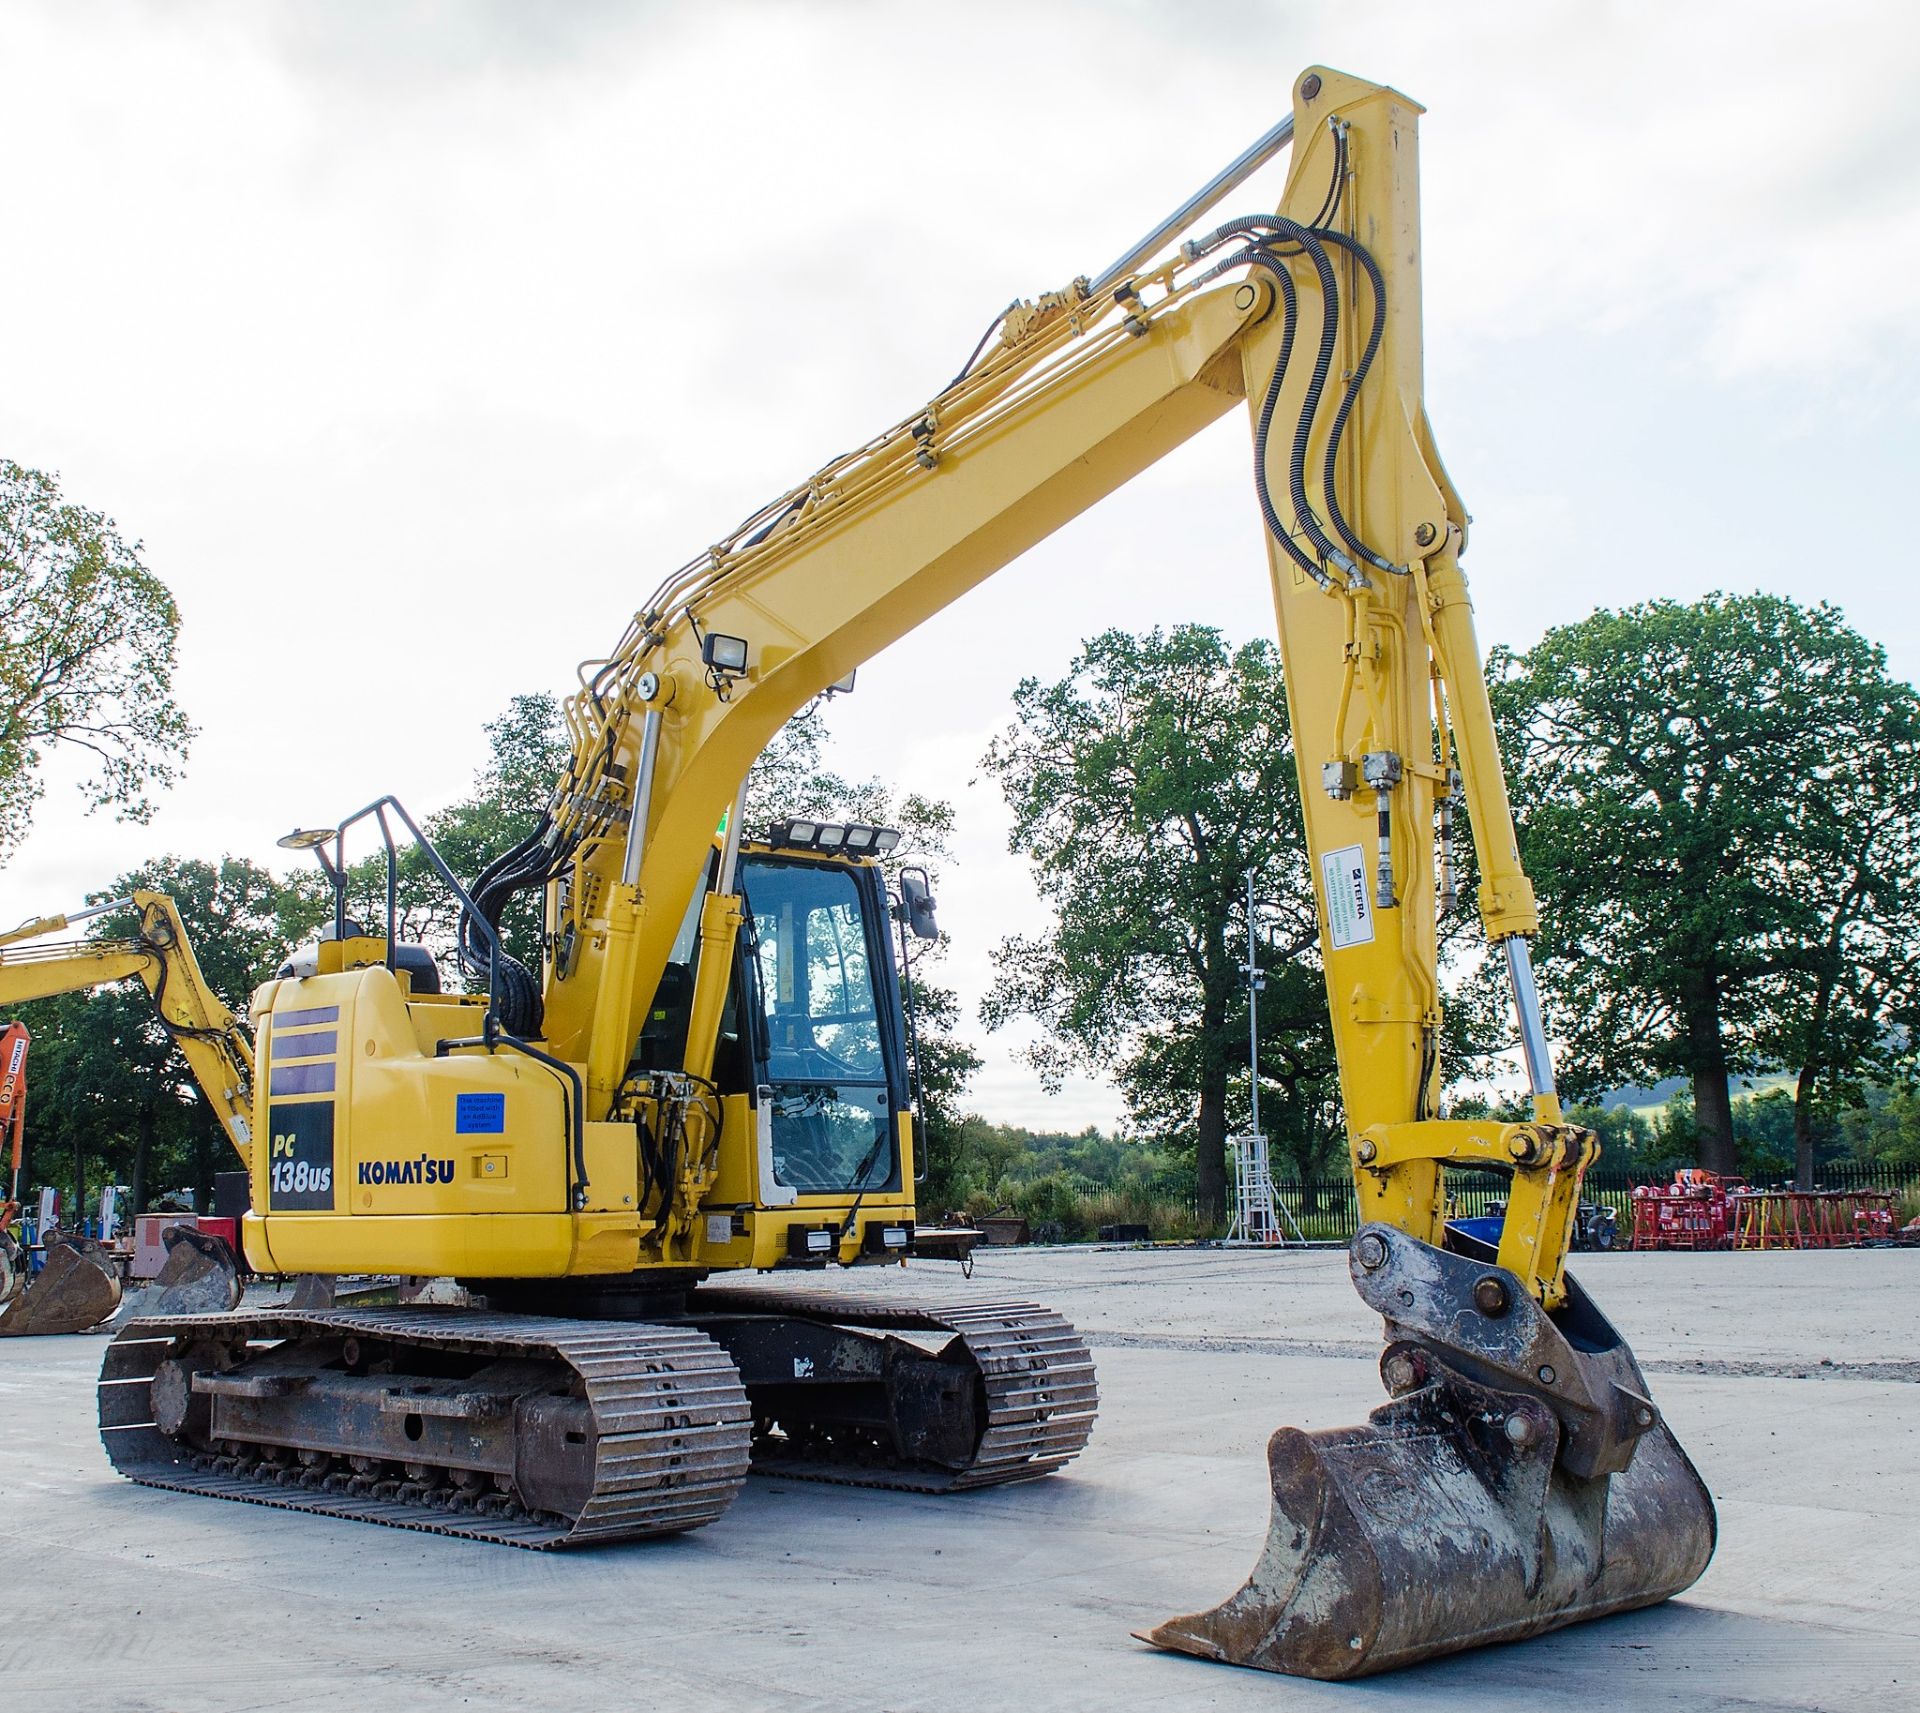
<point x="517" y="1000"/>
<point x="1263" y="423"/>
<point x="1312" y="243"/>
<point x="1345" y="408"/>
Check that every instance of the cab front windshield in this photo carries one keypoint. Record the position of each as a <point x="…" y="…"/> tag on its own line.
<point x="825" y="1064"/>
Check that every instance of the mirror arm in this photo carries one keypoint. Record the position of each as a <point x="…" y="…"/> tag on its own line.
<point x="915" y="1092"/>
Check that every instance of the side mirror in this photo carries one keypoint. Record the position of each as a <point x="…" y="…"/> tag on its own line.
<point x="916" y="902"/>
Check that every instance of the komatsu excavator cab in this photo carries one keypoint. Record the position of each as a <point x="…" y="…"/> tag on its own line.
<point x="817" y="1002"/>
<point x="811" y="1047"/>
<point x="599" y="1387"/>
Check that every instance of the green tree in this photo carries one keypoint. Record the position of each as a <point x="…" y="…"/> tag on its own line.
<point x="1146" y="786"/>
<point x="1846" y="999"/>
<point x="112" y="1100"/>
<point x="1764" y="1134"/>
<point x="1715" y="801"/>
<point x="87" y="643"/>
<point x="1626" y="1139"/>
<point x="1885" y="1127"/>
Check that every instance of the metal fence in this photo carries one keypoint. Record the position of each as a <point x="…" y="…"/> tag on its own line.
<point x="1326" y="1209"/>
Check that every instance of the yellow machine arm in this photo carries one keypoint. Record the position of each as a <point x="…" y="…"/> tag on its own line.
<point x="207" y="1033"/>
<point x="1311" y="321"/>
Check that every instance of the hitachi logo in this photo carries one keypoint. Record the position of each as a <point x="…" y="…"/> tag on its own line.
<point x="420" y="1171"/>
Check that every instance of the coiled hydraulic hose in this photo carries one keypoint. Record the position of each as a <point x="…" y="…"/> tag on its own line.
<point x="1345" y="408"/>
<point x="1304" y="516"/>
<point x="1267" y="254"/>
<point x="1263" y="423"/>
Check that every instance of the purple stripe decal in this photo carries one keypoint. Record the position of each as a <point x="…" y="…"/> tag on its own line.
<point x="303" y="1079"/>
<point x="321" y="1044"/>
<point x="300" y="1019"/>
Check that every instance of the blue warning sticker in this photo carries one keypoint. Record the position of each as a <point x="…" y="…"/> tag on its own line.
<point x="479" y="1114"/>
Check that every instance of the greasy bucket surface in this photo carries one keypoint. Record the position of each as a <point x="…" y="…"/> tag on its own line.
<point x="1437" y="1526"/>
<point x="75" y="1290"/>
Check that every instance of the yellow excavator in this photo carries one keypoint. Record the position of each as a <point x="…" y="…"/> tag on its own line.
<point x="711" y="1073"/>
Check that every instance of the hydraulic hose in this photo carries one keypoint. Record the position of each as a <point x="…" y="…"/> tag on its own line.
<point x="1345" y="408"/>
<point x="1316" y="388"/>
<point x="1263" y="423"/>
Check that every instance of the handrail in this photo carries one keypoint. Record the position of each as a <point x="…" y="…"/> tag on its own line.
<point x="470" y="911"/>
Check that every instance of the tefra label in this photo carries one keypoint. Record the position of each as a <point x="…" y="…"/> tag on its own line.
<point x="486" y="1114"/>
<point x="1343" y="879"/>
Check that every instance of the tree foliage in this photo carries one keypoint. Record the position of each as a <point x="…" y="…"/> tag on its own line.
<point x="1715" y="800"/>
<point x="87" y="645"/>
<point x="1885" y="1126"/>
<point x="1068" y="1186"/>
<point x="1146" y="786"/>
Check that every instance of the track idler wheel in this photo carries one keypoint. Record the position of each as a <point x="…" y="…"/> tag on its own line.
<point x="1473" y="1508"/>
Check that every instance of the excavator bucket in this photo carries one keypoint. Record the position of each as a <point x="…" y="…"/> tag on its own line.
<point x="1520" y="1479"/>
<point x="75" y="1290"/>
<point x="199" y="1276"/>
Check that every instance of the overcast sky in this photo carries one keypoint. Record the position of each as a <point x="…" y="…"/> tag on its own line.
<point x="417" y="340"/>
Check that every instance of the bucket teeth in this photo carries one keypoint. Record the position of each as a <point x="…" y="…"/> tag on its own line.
<point x="1458" y="1515"/>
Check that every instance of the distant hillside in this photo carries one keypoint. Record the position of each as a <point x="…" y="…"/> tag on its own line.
<point x="1638" y="1098"/>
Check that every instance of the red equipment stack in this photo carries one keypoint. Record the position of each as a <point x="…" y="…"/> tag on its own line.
<point x="1816" y="1219"/>
<point x="1695" y="1211"/>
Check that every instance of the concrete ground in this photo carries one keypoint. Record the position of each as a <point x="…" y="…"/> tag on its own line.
<point x="1793" y="1380"/>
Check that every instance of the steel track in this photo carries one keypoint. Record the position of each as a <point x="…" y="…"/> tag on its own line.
<point x="670" y="1417"/>
<point x="1041" y="1393"/>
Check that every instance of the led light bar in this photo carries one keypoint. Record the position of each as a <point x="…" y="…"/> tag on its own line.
<point x="812" y="1242"/>
<point x="851" y="838"/>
